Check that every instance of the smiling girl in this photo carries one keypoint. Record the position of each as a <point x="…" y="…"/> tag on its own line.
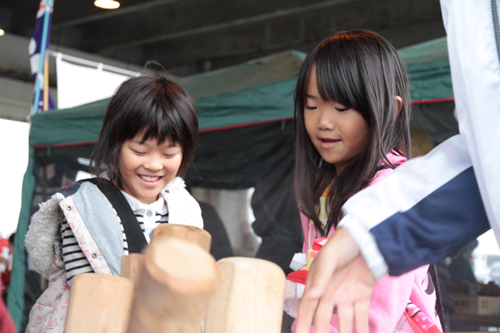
<point x="352" y="123"/>
<point x="146" y="143"/>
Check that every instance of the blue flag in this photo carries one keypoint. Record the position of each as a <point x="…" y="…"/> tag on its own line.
<point x="41" y="35"/>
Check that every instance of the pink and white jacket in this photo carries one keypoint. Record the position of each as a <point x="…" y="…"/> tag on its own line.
<point x="391" y="295"/>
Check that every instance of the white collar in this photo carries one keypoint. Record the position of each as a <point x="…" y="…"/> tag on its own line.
<point x="159" y="206"/>
<point x="175" y="184"/>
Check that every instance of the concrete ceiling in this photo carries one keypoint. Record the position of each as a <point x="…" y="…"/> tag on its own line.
<point x="190" y="36"/>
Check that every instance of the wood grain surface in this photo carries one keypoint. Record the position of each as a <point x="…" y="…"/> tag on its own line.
<point x="248" y="297"/>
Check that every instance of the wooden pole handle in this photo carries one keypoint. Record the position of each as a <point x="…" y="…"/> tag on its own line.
<point x="131" y="267"/>
<point x="187" y="233"/>
<point x="175" y="283"/>
<point x="248" y="297"/>
<point x="99" y="303"/>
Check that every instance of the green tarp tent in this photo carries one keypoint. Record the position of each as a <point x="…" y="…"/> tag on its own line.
<point x="246" y="124"/>
<point x="429" y="69"/>
<point x="257" y="91"/>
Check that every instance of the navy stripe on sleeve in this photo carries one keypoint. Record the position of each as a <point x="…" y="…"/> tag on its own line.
<point x="436" y="227"/>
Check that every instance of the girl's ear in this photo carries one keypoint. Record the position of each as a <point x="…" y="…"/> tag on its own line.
<point x="399" y="105"/>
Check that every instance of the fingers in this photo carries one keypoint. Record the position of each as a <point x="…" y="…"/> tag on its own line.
<point x="307" y="308"/>
<point x="323" y="316"/>
<point x="326" y="305"/>
<point x="345" y="318"/>
<point x="325" y="285"/>
<point x="357" y="313"/>
<point x="315" y="288"/>
<point x="317" y="282"/>
<point x="361" y="316"/>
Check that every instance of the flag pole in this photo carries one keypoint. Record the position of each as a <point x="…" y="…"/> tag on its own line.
<point x="46" y="85"/>
<point x="42" y="56"/>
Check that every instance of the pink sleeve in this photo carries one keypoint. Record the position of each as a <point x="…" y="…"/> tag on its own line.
<point x="391" y="294"/>
<point x="388" y="302"/>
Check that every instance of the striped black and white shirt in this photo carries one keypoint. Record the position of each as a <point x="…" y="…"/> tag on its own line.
<point x="148" y="216"/>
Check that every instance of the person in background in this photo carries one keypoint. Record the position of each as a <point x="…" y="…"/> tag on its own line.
<point x="460" y="266"/>
<point x="221" y="246"/>
<point x="7" y="262"/>
<point x="6" y="323"/>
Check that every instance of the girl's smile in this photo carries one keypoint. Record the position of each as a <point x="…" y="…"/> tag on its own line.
<point x="328" y="143"/>
<point x="150" y="180"/>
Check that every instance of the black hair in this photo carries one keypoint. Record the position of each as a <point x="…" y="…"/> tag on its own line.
<point x="148" y="105"/>
<point x="361" y="70"/>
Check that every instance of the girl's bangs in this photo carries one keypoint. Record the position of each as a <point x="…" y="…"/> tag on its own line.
<point x="338" y="76"/>
<point x="159" y="127"/>
<point x="158" y="122"/>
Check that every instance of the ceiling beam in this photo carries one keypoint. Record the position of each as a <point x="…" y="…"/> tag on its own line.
<point x="230" y="24"/>
<point x="403" y="34"/>
<point x="114" y="13"/>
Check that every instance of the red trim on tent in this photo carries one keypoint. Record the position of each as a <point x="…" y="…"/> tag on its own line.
<point x="200" y="131"/>
<point x="65" y="145"/>
<point x="242" y="125"/>
<point x="437" y="100"/>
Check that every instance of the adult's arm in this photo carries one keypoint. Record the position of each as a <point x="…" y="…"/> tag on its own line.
<point x="429" y="208"/>
<point x="435" y="208"/>
<point x="474" y="51"/>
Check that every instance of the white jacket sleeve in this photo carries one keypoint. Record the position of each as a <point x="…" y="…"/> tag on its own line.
<point x="431" y="206"/>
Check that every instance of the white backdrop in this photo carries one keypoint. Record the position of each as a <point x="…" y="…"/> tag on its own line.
<point x="77" y="85"/>
<point x="14" y="160"/>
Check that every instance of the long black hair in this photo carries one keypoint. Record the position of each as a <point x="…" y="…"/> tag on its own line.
<point x="152" y="106"/>
<point x="361" y="70"/>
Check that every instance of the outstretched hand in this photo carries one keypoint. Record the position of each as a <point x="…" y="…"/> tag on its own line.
<point x="338" y="278"/>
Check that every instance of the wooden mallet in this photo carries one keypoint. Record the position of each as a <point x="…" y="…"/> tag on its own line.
<point x="131" y="264"/>
<point x="248" y="297"/>
<point x="99" y="303"/>
<point x="175" y="283"/>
